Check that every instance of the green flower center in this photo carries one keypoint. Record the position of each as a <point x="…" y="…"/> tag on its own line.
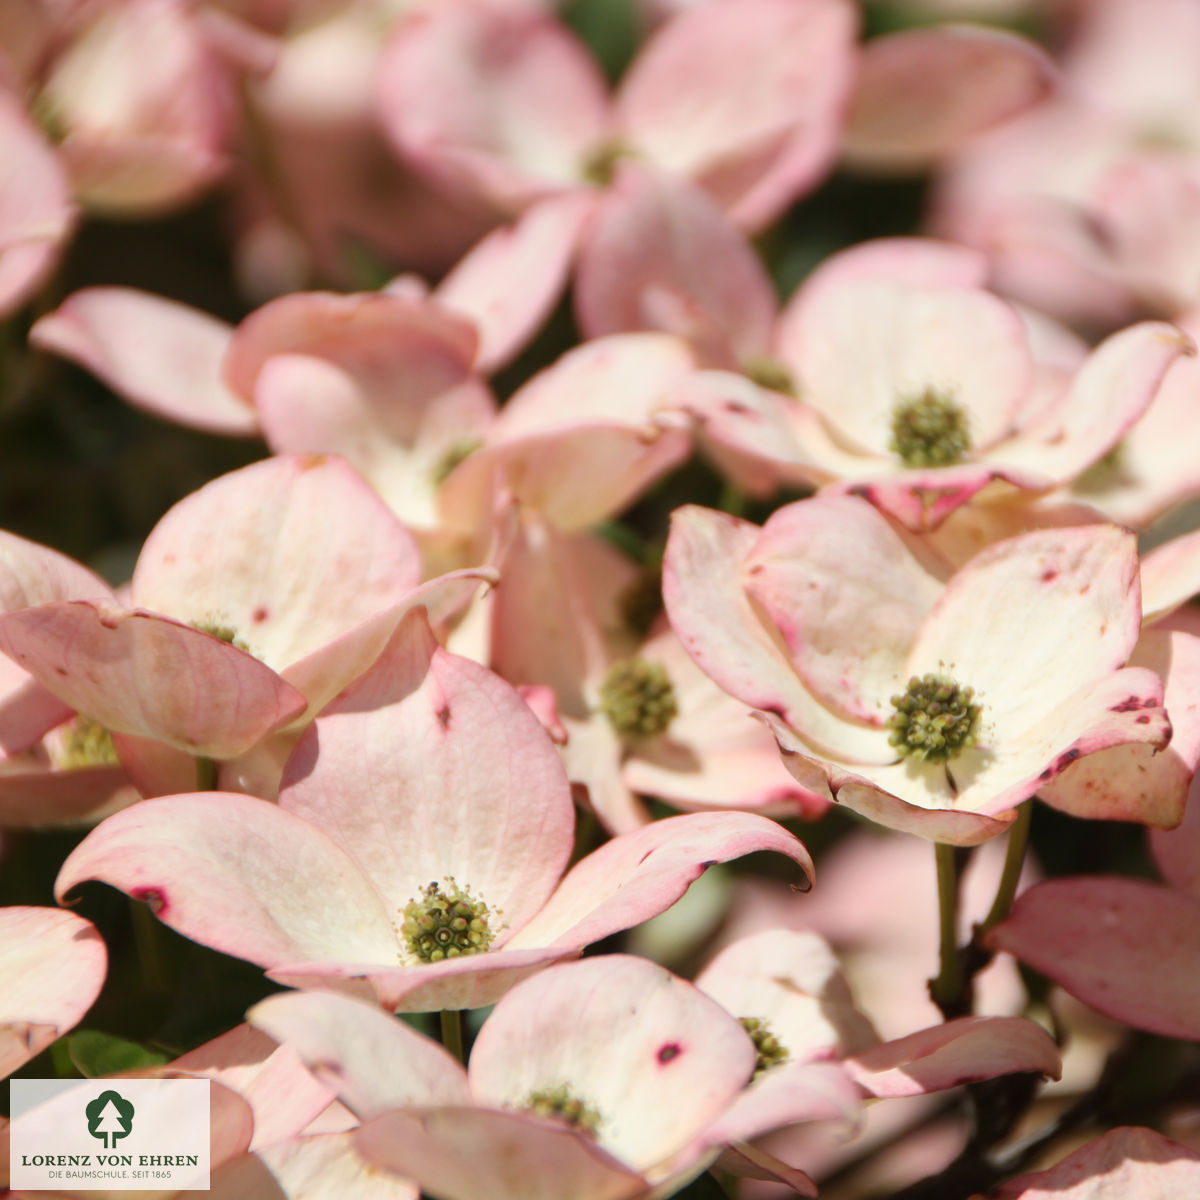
<point x="936" y="719"/>
<point x="446" y="923"/>
<point x="770" y="373"/>
<point x="929" y="430"/>
<point x="459" y="450"/>
<point x="220" y="628"/>
<point x="600" y="163"/>
<point x="771" y="1051"/>
<point x="84" y="743"/>
<point x="637" y="698"/>
<point x="557" y="1103"/>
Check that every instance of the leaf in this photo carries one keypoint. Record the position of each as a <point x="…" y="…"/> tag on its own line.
<point x="96" y="1054"/>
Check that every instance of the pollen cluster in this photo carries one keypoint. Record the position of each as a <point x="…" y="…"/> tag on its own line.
<point x="936" y="719"/>
<point x="637" y="698"/>
<point x="771" y="1051"/>
<point x="445" y="923"/>
<point x="929" y="430"/>
<point x="557" y="1103"/>
<point x="84" y="743"/>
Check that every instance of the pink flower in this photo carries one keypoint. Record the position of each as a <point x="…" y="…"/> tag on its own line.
<point x="916" y="387"/>
<point x="233" y="631"/>
<point x="899" y="691"/>
<point x="464" y="95"/>
<point x="608" y="1077"/>
<point x="423" y="825"/>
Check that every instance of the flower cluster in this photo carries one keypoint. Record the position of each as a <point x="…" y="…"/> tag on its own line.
<point x="550" y="509"/>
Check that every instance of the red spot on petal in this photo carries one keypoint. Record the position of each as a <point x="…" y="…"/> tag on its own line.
<point x="669" y="1051"/>
<point x="152" y="898"/>
<point x="260" y="614"/>
<point x="1143" y="720"/>
<point x="1049" y="576"/>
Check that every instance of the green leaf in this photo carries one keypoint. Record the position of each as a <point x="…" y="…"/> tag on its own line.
<point x="96" y="1054"/>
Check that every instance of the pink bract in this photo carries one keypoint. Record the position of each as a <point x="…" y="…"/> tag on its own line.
<point x="52" y="966"/>
<point x="755" y="610"/>
<point x="432" y="773"/>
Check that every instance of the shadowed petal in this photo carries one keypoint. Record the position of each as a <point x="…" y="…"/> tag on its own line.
<point x="1103" y="938"/>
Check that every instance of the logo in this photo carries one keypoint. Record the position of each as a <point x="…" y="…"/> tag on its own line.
<point x="80" y="1135"/>
<point x="109" y="1117"/>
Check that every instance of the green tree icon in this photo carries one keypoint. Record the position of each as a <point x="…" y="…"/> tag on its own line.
<point x="109" y="1117"/>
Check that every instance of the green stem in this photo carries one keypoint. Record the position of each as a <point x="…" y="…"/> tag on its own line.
<point x="452" y="1034"/>
<point x="1014" y="860"/>
<point x="149" y="951"/>
<point x="206" y="774"/>
<point x="946" y="987"/>
<point x="732" y="500"/>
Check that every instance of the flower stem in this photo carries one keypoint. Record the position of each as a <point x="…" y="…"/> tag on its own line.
<point x="206" y="774"/>
<point x="1014" y="860"/>
<point x="149" y="951"/>
<point x="452" y="1034"/>
<point x="946" y="987"/>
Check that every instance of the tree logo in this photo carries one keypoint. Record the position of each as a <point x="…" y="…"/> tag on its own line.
<point x="109" y="1117"/>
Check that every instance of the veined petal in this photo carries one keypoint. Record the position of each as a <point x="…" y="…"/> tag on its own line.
<point x="963" y="1051"/>
<point x="792" y="981"/>
<point x="788" y="1095"/>
<point x="500" y="97"/>
<point x="761" y="123"/>
<point x="484" y="1154"/>
<point x="32" y="574"/>
<point x="1142" y="782"/>
<point x="431" y="768"/>
<point x="398" y="438"/>
<point x="36" y="210"/>
<point x="470" y="981"/>
<point x="323" y="1166"/>
<point x="638" y="875"/>
<point x="1068" y="598"/>
<point x="924" y="808"/>
<point x="713" y="754"/>
<point x="729" y="641"/>
<point x="375" y="1062"/>
<point x="584" y="437"/>
<point x="282" y="1094"/>
<point x="1170" y="576"/>
<point x="53" y="965"/>
<point x="1131" y="1162"/>
<point x="508" y="283"/>
<point x="136" y="672"/>
<point x="847" y="594"/>
<point x="240" y="875"/>
<point x="1112" y="389"/>
<point x="160" y="355"/>
<point x="289" y="554"/>
<point x="921" y="93"/>
<point x="871" y="343"/>
<point x="1102" y="938"/>
<point x="655" y="235"/>
<point x="655" y="1082"/>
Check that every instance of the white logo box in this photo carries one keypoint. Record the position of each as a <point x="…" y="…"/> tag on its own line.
<point x="109" y="1134"/>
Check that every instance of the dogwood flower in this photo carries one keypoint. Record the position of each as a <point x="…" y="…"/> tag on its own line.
<point x="916" y="387"/>
<point x="897" y="690"/>
<point x="232" y="633"/>
<point x="422" y="829"/>
<point x="607" y="1077"/>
